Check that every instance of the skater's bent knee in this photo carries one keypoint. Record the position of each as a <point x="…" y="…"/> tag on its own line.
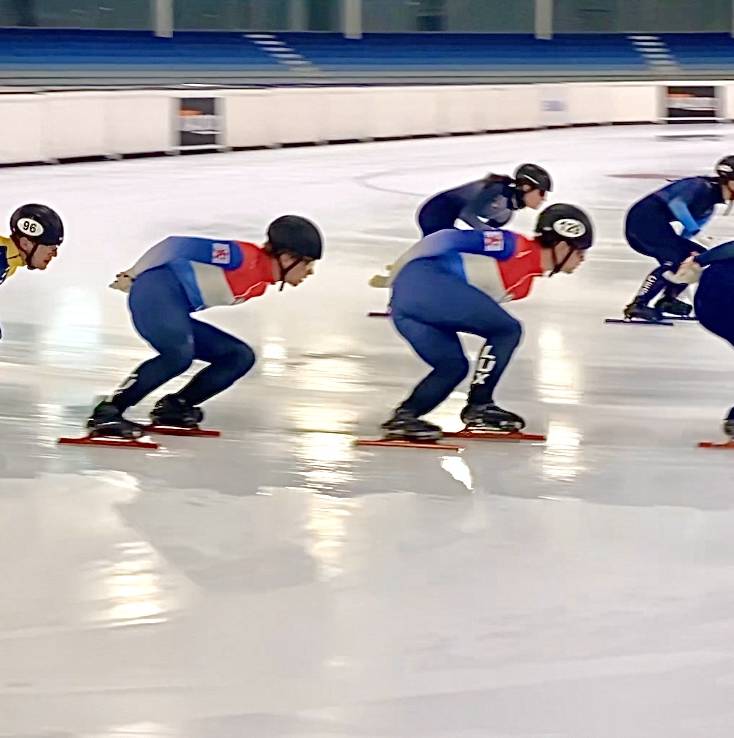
<point x="514" y="329"/>
<point x="179" y="359"/>
<point x="455" y="369"/>
<point x="243" y="358"/>
<point x="511" y="330"/>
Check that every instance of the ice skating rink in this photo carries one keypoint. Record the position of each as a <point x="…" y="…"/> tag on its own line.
<point x="280" y="583"/>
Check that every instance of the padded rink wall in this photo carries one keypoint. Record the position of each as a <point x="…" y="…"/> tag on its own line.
<point x="55" y="126"/>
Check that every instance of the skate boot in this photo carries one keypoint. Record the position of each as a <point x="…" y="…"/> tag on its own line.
<point x="729" y="424"/>
<point x="490" y="418"/>
<point x="107" y="420"/>
<point x="639" y="311"/>
<point x="404" y="425"/>
<point x="673" y="306"/>
<point x="174" y="411"/>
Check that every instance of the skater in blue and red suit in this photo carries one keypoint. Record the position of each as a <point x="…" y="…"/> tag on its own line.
<point x="184" y="275"/>
<point x="452" y="282"/>
<point x="486" y="203"/>
<point x="714" y="299"/>
<point x="649" y="230"/>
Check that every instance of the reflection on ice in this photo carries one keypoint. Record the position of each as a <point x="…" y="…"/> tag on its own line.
<point x="458" y="469"/>
<point x="559" y="373"/>
<point x="561" y="456"/>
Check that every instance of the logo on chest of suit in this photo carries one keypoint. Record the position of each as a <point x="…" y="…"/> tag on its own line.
<point x="220" y="253"/>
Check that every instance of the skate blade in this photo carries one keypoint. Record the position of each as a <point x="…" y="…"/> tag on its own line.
<point x="378" y="314"/>
<point x="682" y="318"/>
<point x="110" y="441"/>
<point x="478" y="435"/>
<point x="729" y="445"/>
<point x="637" y="321"/>
<point x="402" y="443"/>
<point x="172" y="430"/>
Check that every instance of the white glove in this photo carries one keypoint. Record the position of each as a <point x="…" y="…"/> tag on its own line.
<point x="689" y="272"/>
<point x="379" y="280"/>
<point x="123" y="282"/>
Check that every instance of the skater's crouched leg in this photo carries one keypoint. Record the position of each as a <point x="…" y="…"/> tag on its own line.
<point x="229" y="359"/>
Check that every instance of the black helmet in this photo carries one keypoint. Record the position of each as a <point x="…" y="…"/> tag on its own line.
<point x="297" y="235"/>
<point x="562" y="222"/>
<point x="725" y="169"/>
<point x="534" y="176"/>
<point x="38" y="223"/>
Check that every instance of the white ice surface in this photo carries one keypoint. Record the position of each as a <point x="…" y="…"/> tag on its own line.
<point x="279" y="583"/>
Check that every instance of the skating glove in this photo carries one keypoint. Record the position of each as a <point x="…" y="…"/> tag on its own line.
<point x="123" y="282"/>
<point x="382" y="280"/>
<point x="689" y="272"/>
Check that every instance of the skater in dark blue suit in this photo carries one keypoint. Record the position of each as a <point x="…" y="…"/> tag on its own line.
<point x="649" y="230"/>
<point x="486" y="203"/>
<point x="714" y="300"/>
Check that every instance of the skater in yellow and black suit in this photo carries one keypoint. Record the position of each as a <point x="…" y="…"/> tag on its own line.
<point x="36" y="232"/>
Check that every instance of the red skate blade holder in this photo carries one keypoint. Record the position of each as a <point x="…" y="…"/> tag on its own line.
<point x="515" y="436"/>
<point x="399" y="443"/>
<point x="172" y="430"/>
<point x="110" y="442"/>
<point x="723" y="445"/>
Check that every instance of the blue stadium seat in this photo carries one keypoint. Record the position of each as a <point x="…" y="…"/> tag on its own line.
<point x="449" y="53"/>
<point x="330" y="51"/>
<point x="699" y="51"/>
<point x="69" y="48"/>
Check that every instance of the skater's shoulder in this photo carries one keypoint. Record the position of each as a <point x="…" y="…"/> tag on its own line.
<point x="252" y="252"/>
<point x="252" y="248"/>
<point x="527" y="247"/>
<point x="11" y="258"/>
<point x="691" y="184"/>
<point x="468" y="190"/>
<point x="684" y="189"/>
<point x="7" y="246"/>
<point x="527" y="256"/>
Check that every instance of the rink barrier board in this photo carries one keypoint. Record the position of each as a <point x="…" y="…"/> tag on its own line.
<point x="60" y="126"/>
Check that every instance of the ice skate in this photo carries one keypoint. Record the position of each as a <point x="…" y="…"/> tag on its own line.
<point x="639" y="311"/>
<point x="406" y="426"/>
<point x="673" y="306"/>
<point x="491" y="419"/>
<point x="175" y="412"/>
<point x="106" y="420"/>
<point x="729" y="424"/>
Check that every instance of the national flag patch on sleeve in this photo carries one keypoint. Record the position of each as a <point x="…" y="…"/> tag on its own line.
<point x="494" y="240"/>
<point x="220" y="253"/>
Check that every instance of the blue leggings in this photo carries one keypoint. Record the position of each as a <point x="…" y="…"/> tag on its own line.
<point x="438" y="213"/>
<point x="649" y="232"/>
<point x="161" y="313"/>
<point x="430" y="306"/>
